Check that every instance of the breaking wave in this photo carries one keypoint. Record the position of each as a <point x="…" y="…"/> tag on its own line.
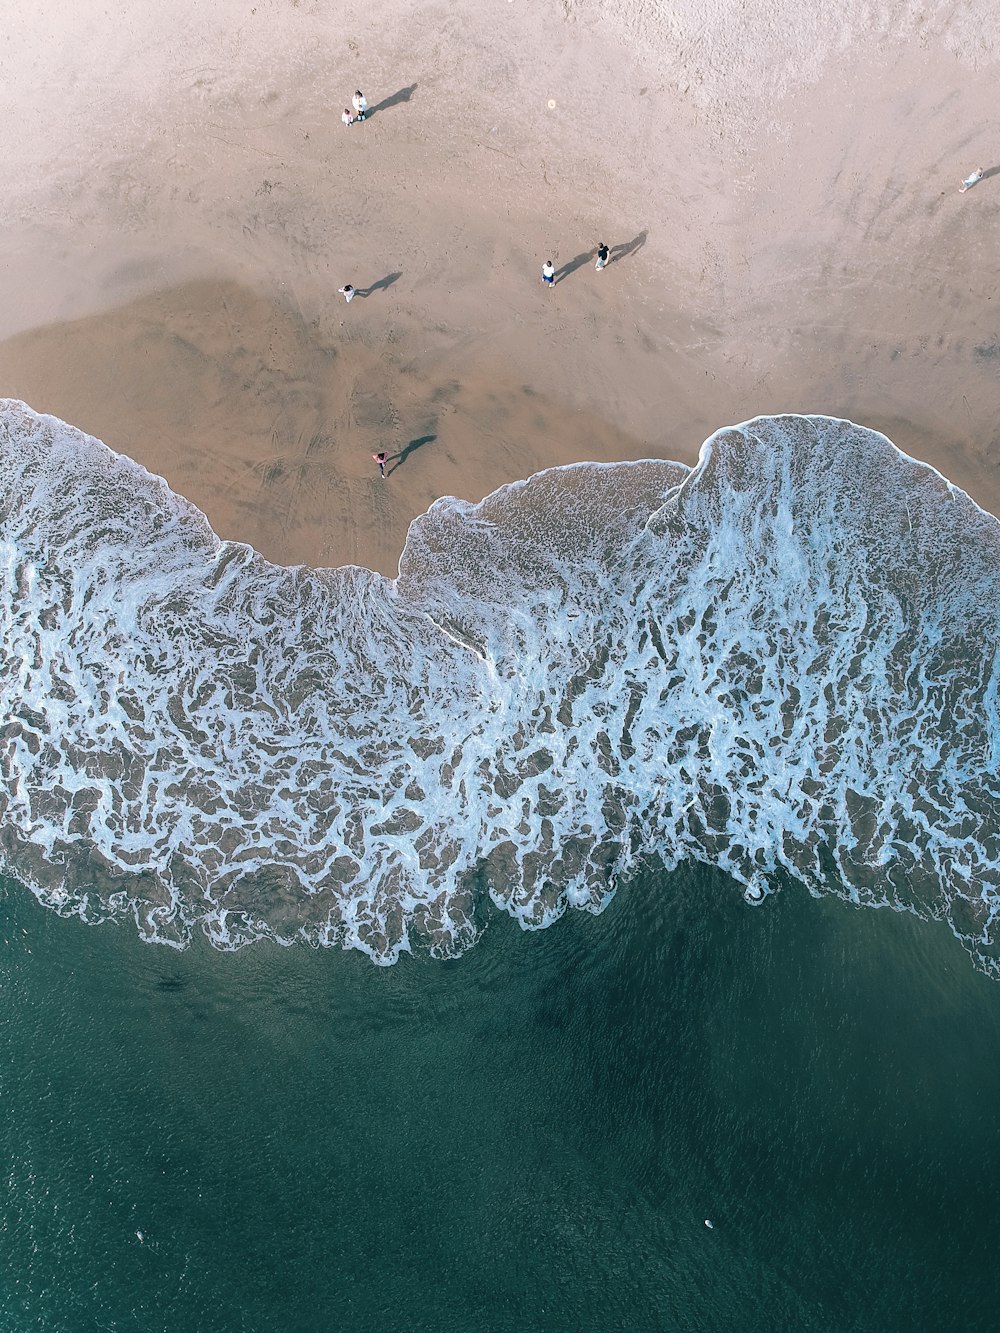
<point x="783" y="663"/>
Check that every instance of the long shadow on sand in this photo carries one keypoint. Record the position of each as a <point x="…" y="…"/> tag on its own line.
<point x="403" y="95"/>
<point x="379" y="286"/>
<point x="626" y="248"/>
<point x="572" y="265"/>
<point x="399" y="459"/>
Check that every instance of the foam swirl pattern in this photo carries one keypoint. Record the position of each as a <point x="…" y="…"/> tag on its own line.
<point x="783" y="663"/>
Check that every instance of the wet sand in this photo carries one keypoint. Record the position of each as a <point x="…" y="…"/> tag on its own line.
<point x="780" y="198"/>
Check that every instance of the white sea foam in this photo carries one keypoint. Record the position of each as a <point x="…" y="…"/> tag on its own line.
<point x="783" y="662"/>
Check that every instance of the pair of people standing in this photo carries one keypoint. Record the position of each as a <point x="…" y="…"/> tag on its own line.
<point x="549" y="272"/>
<point x="360" y="104"/>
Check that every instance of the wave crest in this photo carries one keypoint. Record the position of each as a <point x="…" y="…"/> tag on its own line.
<point x="781" y="662"/>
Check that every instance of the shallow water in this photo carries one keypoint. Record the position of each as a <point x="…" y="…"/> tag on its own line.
<point x="529" y="1137"/>
<point x="784" y="663"/>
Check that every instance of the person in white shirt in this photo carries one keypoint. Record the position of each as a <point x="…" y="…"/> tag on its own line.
<point x="969" y="181"/>
<point x="348" y="293"/>
<point x="347" y="118"/>
<point x="549" y="273"/>
<point x="360" y="104"/>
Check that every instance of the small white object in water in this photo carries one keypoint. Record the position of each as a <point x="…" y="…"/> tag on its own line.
<point x="709" y="1225"/>
<point x="139" y="1237"/>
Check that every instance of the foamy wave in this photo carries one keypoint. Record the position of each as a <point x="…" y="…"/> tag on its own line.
<point x="783" y="662"/>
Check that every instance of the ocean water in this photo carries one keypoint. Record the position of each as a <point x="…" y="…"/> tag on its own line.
<point x="529" y="1137"/>
<point x="782" y="664"/>
<point x="723" y="711"/>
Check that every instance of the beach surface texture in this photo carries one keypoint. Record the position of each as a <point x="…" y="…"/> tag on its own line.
<point x="777" y="187"/>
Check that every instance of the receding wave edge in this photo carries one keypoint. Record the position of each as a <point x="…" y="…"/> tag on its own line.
<point x="782" y="662"/>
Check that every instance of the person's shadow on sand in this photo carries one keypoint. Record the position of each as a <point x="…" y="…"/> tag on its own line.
<point x="399" y="459"/>
<point x="620" y="251"/>
<point x="626" y="248"/>
<point x="379" y="286"/>
<point x="572" y="265"/>
<point x="403" y="95"/>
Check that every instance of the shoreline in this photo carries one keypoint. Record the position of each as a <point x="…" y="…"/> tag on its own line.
<point x="173" y="283"/>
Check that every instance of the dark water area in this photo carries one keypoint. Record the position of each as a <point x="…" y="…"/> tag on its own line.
<point x="528" y="1137"/>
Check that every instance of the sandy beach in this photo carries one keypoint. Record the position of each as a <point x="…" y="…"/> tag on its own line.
<point x="779" y="191"/>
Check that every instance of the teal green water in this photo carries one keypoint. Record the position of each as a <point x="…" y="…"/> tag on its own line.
<point x="529" y="1137"/>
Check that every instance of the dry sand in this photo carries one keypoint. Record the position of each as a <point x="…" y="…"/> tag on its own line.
<point x="779" y="187"/>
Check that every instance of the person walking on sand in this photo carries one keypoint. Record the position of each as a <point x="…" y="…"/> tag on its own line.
<point x="974" y="179"/>
<point x="549" y="273"/>
<point x="603" y="254"/>
<point x="381" y="459"/>
<point x="347" y="118"/>
<point x="360" y="104"/>
<point x="347" y="292"/>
